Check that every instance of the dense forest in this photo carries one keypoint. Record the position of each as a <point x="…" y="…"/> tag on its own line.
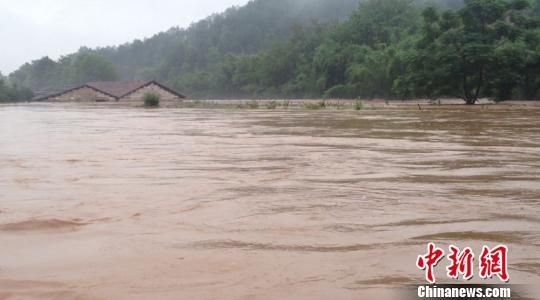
<point x="393" y="49"/>
<point x="173" y="53"/>
<point x="12" y="92"/>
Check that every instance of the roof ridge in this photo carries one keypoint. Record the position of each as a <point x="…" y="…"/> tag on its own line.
<point x="158" y="84"/>
<point x="118" y="89"/>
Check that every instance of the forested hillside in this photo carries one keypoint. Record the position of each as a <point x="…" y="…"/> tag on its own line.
<point x="245" y="29"/>
<point x="322" y="48"/>
<point x="9" y="93"/>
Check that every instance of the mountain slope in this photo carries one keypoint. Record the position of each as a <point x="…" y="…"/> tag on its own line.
<point x="170" y="56"/>
<point x="245" y="29"/>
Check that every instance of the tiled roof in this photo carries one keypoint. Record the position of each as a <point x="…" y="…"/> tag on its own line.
<point x="118" y="89"/>
<point x="115" y="89"/>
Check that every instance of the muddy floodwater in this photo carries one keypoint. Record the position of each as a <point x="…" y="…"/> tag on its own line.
<point x="128" y="203"/>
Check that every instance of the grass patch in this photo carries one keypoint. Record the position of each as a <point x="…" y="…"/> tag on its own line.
<point x="281" y="104"/>
<point x="314" y="106"/>
<point x="286" y="104"/>
<point x="272" y="105"/>
<point x="253" y="104"/>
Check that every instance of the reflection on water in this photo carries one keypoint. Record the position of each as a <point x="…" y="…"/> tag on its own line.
<point x="136" y="204"/>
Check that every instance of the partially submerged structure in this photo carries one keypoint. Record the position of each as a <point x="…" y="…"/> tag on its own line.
<point x="114" y="91"/>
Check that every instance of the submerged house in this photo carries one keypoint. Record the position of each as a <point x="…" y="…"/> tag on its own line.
<point x="114" y="91"/>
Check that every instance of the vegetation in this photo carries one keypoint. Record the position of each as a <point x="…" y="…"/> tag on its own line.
<point x="13" y="93"/>
<point x="82" y="67"/>
<point x="484" y="49"/>
<point x="151" y="99"/>
<point x="391" y="49"/>
<point x="334" y="104"/>
<point x="358" y="105"/>
<point x="272" y="104"/>
<point x="253" y="104"/>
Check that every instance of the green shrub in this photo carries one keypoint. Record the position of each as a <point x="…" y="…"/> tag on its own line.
<point x="319" y="105"/>
<point x="340" y="105"/>
<point x="272" y="105"/>
<point x="253" y="104"/>
<point x="359" y="105"/>
<point x="286" y="104"/>
<point x="151" y="99"/>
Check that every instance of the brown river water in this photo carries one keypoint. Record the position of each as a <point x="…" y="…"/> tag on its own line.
<point x="128" y="203"/>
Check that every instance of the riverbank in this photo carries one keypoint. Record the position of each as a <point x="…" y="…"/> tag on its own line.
<point x="340" y="104"/>
<point x="313" y="104"/>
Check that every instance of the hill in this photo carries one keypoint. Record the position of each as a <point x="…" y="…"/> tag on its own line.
<point x="245" y="29"/>
<point x="322" y="48"/>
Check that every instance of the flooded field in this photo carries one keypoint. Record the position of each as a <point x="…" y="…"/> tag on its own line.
<point x="126" y="203"/>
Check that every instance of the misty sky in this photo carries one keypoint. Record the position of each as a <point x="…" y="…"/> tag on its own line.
<point x="31" y="29"/>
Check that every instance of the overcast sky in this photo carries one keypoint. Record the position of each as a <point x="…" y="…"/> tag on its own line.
<point x="31" y="29"/>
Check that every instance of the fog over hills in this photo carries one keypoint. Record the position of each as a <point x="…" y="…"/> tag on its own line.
<point x="391" y="49"/>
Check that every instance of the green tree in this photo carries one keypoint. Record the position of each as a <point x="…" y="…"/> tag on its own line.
<point x="380" y="22"/>
<point x="531" y="73"/>
<point x="314" y="48"/>
<point x="3" y="89"/>
<point x="373" y="71"/>
<point x="91" y="67"/>
<point x="457" y="54"/>
<point x="12" y="93"/>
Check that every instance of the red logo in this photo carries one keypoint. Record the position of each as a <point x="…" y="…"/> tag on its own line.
<point x="429" y="261"/>
<point x="493" y="262"/>
<point x="461" y="262"/>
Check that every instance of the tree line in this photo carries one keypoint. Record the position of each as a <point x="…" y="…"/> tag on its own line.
<point x="13" y="92"/>
<point x="178" y="51"/>
<point x="392" y="49"/>
<point x="46" y="74"/>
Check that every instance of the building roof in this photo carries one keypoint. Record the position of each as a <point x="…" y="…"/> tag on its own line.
<point x="53" y="91"/>
<point x="117" y="89"/>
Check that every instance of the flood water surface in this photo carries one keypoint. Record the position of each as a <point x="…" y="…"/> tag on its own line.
<point x="126" y="203"/>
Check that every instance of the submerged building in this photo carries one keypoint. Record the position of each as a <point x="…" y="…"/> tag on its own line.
<point x="114" y="91"/>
